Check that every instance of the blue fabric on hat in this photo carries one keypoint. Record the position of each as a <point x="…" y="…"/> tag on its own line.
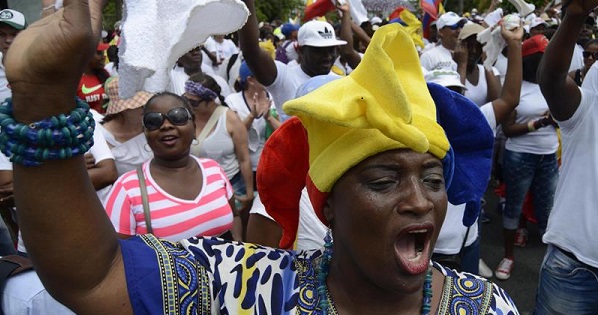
<point x="314" y="83"/>
<point x="244" y="73"/>
<point x="472" y="141"/>
<point x="288" y="28"/>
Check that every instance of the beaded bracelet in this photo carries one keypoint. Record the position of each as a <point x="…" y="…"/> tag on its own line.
<point x="58" y="137"/>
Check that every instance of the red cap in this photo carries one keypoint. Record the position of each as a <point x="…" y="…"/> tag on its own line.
<point x="534" y="44"/>
<point x="102" y="47"/>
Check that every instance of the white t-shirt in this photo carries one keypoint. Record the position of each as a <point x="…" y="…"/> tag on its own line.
<point x="5" y="91"/>
<point x="130" y="154"/>
<point x="573" y="220"/>
<point x="532" y="106"/>
<point x="453" y="231"/>
<point x="310" y="232"/>
<point x="590" y="81"/>
<point x="288" y="80"/>
<point x="25" y="294"/>
<point x="576" y="59"/>
<point x="291" y="50"/>
<point x="222" y="50"/>
<point x="479" y="93"/>
<point x="219" y="146"/>
<point x="438" y="58"/>
<point x="256" y="134"/>
<point x="501" y="65"/>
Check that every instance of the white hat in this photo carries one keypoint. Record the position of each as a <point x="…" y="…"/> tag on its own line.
<point x="537" y="22"/>
<point x="448" y="19"/>
<point x="376" y="20"/>
<point x="445" y="78"/>
<point x="318" y="34"/>
<point x="13" y="18"/>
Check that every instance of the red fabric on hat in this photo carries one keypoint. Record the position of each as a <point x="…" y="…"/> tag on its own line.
<point x="534" y="44"/>
<point x="281" y="175"/>
<point x="319" y="8"/>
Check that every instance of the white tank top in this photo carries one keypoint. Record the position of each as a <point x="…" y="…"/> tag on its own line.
<point x="219" y="146"/>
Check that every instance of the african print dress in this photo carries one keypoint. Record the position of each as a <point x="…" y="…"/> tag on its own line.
<point x="213" y="276"/>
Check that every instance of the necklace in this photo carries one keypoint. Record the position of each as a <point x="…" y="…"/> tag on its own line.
<point x="327" y="305"/>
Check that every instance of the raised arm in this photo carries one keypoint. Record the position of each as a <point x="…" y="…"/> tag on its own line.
<point x="347" y="52"/>
<point x="560" y="91"/>
<point x="259" y="61"/>
<point x="68" y="235"/>
<point x="510" y="94"/>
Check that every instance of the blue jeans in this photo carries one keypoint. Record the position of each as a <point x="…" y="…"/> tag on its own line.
<point x="525" y="172"/>
<point x="238" y="184"/>
<point x="567" y="286"/>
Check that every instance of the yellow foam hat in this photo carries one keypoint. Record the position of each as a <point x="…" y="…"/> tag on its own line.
<point x="383" y="105"/>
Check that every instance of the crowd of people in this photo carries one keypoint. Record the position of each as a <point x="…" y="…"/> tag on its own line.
<point x="286" y="164"/>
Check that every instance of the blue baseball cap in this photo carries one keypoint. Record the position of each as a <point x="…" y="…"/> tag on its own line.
<point x="288" y="28"/>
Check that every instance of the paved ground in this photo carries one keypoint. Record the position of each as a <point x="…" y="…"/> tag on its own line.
<point x="524" y="279"/>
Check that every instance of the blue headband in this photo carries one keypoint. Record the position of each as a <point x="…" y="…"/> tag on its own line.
<point x="197" y="89"/>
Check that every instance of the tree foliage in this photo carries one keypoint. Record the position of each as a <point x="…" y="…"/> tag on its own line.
<point x="269" y="10"/>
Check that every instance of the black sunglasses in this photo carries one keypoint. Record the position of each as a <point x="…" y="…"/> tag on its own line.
<point x="177" y="116"/>
<point x="193" y="103"/>
<point x="587" y="54"/>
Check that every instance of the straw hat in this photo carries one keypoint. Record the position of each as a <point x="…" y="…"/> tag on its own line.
<point x="116" y="104"/>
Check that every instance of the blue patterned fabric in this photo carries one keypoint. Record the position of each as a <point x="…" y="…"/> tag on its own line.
<point x="213" y="276"/>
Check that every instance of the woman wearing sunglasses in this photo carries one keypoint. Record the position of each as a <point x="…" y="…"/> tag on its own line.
<point x="186" y="196"/>
<point x="221" y="135"/>
<point x="590" y="54"/>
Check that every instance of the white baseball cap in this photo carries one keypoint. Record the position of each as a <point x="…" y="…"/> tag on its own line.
<point x="445" y="78"/>
<point x="13" y="18"/>
<point x="449" y="19"/>
<point x="537" y="22"/>
<point x="376" y="20"/>
<point x="318" y="34"/>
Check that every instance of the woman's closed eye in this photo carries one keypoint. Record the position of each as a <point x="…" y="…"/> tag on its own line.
<point x="434" y="181"/>
<point x="382" y="184"/>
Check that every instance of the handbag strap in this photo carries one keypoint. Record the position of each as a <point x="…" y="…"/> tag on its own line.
<point x="146" y="209"/>
<point x="210" y="124"/>
<point x="464" y="240"/>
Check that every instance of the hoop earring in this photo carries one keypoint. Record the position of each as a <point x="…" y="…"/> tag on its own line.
<point x="147" y="148"/>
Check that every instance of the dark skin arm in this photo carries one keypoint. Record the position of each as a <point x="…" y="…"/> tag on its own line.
<point x="63" y="229"/>
<point x="560" y="91"/>
<point x="347" y="52"/>
<point x="361" y="34"/>
<point x="258" y="60"/>
<point x="509" y="97"/>
<point x="263" y="231"/>
<point x="103" y="174"/>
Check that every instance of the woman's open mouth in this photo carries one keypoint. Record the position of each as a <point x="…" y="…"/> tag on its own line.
<point x="412" y="249"/>
<point x="169" y="140"/>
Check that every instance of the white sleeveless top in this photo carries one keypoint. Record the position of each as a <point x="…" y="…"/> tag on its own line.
<point x="219" y="146"/>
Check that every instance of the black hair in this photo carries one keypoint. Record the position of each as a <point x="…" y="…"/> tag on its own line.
<point x="176" y="96"/>
<point x="530" y="66"/>
<point x="112" y="54"/>
<point x="590" y="42"/>
<point x="208" y="82"/>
